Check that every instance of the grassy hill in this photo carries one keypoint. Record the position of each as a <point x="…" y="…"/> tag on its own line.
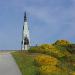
<point x="47" y="59"/>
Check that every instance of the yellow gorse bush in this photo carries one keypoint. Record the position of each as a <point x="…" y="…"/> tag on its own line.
<point x="46" y="60"/>
<point x="49" y="48"/>
<point x="72" y="73"/>
<point x="47" y="69"/>
<point x="62" y="42"/>
<point x="66" y="53"/>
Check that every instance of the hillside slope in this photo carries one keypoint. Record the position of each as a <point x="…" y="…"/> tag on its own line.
<point x="47" y="59"/>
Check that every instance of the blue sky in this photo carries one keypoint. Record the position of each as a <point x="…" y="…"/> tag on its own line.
<point x="49" y="20"/>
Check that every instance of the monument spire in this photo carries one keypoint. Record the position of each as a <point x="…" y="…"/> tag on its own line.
<point x="25" y="17"/>
<point x="25" y="34"/>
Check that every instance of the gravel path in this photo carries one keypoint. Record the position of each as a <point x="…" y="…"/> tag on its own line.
<point x="8" y="65"/>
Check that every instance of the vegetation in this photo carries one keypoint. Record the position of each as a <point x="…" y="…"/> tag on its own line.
<point x="62" y="42"/>
<point x="25" y="63"/>
<point x="49" y="49"/>
<point x="47" y="59"/>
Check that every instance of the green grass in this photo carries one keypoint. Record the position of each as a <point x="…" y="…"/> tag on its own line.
<point x="25" y="63"/>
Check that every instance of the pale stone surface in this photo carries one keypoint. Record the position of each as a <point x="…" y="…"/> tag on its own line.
<point x="25" y="34"/>
<point x="8" y="65"/>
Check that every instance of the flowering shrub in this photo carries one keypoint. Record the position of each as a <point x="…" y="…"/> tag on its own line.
<point x="48" y="68"/>
<point x="72" y="73"/>
<point x="47" y="46"/>
<point x="51" y="49"/>
<point x="66" y="53"/>
<point x="51" y="70"/>
<point x="62" y="42"/>
<point x="45" y="60"/>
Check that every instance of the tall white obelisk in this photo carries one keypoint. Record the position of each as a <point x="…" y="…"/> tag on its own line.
<point x="25" y="35"/>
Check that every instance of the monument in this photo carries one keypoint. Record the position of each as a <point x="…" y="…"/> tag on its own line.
<point x="25" y="44"/>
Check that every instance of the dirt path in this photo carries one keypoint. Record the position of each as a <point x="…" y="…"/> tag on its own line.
<point x="8" y="65"/>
